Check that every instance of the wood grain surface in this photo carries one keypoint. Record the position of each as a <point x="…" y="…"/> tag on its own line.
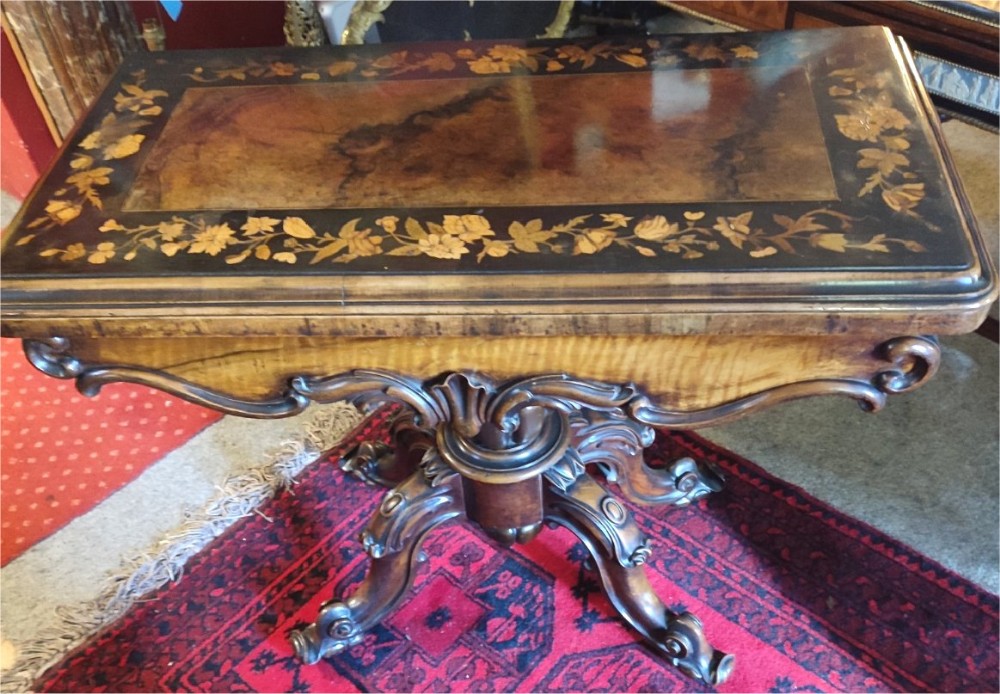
<point x="605" y="138"/>
<point x="687" y="372"/>
<point x="646" y="186"/>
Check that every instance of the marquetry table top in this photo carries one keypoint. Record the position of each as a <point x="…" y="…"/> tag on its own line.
<point x="782" y="180"/>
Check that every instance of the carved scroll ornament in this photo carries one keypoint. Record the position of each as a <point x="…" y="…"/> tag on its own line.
<point x="471" y="400"/>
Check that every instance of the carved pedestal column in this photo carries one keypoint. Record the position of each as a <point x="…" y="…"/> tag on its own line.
<point x="509" y="459"/>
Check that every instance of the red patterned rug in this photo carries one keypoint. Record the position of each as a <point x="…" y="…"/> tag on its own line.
<point x="807" y="598"/>
<point x="62" y="454"/>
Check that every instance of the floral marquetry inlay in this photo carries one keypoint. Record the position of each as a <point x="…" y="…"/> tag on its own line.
<point x="293" y="239"/>
<point x="872" y="119"/>
<point x="881" y="184"/>
<point x="490" y="60"/>
<point x="95" y="157"/>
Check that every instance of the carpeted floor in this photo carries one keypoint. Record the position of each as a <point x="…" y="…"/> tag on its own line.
<point x="63" y="454"/>
<point x="811" y="600"/>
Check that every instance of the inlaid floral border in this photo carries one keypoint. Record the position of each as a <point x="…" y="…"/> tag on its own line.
<point x="293" y="240"/>
<point x="497" y="59"/>
<point x="868" y="117"/>
<point x="95" y="157"/>
<point x="872" y="119"/>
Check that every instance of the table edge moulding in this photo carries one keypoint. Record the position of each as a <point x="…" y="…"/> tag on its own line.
<point x="530" y="350"/>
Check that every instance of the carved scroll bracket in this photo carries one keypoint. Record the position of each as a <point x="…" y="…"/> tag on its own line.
<point x="478" y="408"/>
<point x="53" y="357"/>
<point x="915" y="361"/>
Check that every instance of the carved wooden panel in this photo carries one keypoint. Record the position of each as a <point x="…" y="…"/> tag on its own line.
<point x="69" y="49"/>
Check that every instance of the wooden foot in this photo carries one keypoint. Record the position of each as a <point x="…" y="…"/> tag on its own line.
<point x="615" y="444"/>
<point x="430" y="497"/>
<point x="619" y="550"/>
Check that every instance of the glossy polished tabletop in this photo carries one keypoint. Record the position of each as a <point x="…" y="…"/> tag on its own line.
<point x="807" y="158"/>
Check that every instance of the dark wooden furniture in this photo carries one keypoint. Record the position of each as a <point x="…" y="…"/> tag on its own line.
<point x="961" y="37"/>
<point x="961" y="32"/>
<point x="67" y="52"/>
<point x="541" y="251"/>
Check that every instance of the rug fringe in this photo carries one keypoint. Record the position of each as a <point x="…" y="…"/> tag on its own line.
<point x="238" y="497"/>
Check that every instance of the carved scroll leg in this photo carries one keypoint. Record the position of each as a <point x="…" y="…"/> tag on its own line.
<point x="690" y="480"/>
<point x="616" y="444"/>
<point x="377" y="463"/>
<point x="429" y="497"/>
<point x="367" y="460"/>
<point x="620" y="549"/>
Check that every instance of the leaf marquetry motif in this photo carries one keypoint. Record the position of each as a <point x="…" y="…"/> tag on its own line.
<point x="293" y="240"/>
<point x="867" y="117"/>
<point x="116" y="138"/>
<point x="873" y="121"/>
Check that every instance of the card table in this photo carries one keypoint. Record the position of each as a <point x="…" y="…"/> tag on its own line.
<point x="540" y="251"/>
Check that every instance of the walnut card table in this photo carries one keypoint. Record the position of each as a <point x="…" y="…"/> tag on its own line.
<point x="540" y="251"/>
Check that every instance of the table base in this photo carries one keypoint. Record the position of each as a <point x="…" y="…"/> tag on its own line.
<point x="426" y="492"/>
<point x="511" y="454"/>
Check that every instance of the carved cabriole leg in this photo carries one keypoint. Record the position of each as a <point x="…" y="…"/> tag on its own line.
<point x="377" y="463"/>
<point x="615" y="443"/>
<point x="429" y="497"/>
<point x="620" y="549"/>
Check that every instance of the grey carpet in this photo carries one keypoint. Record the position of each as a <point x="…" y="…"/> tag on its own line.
<point x="924" y="469"/>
